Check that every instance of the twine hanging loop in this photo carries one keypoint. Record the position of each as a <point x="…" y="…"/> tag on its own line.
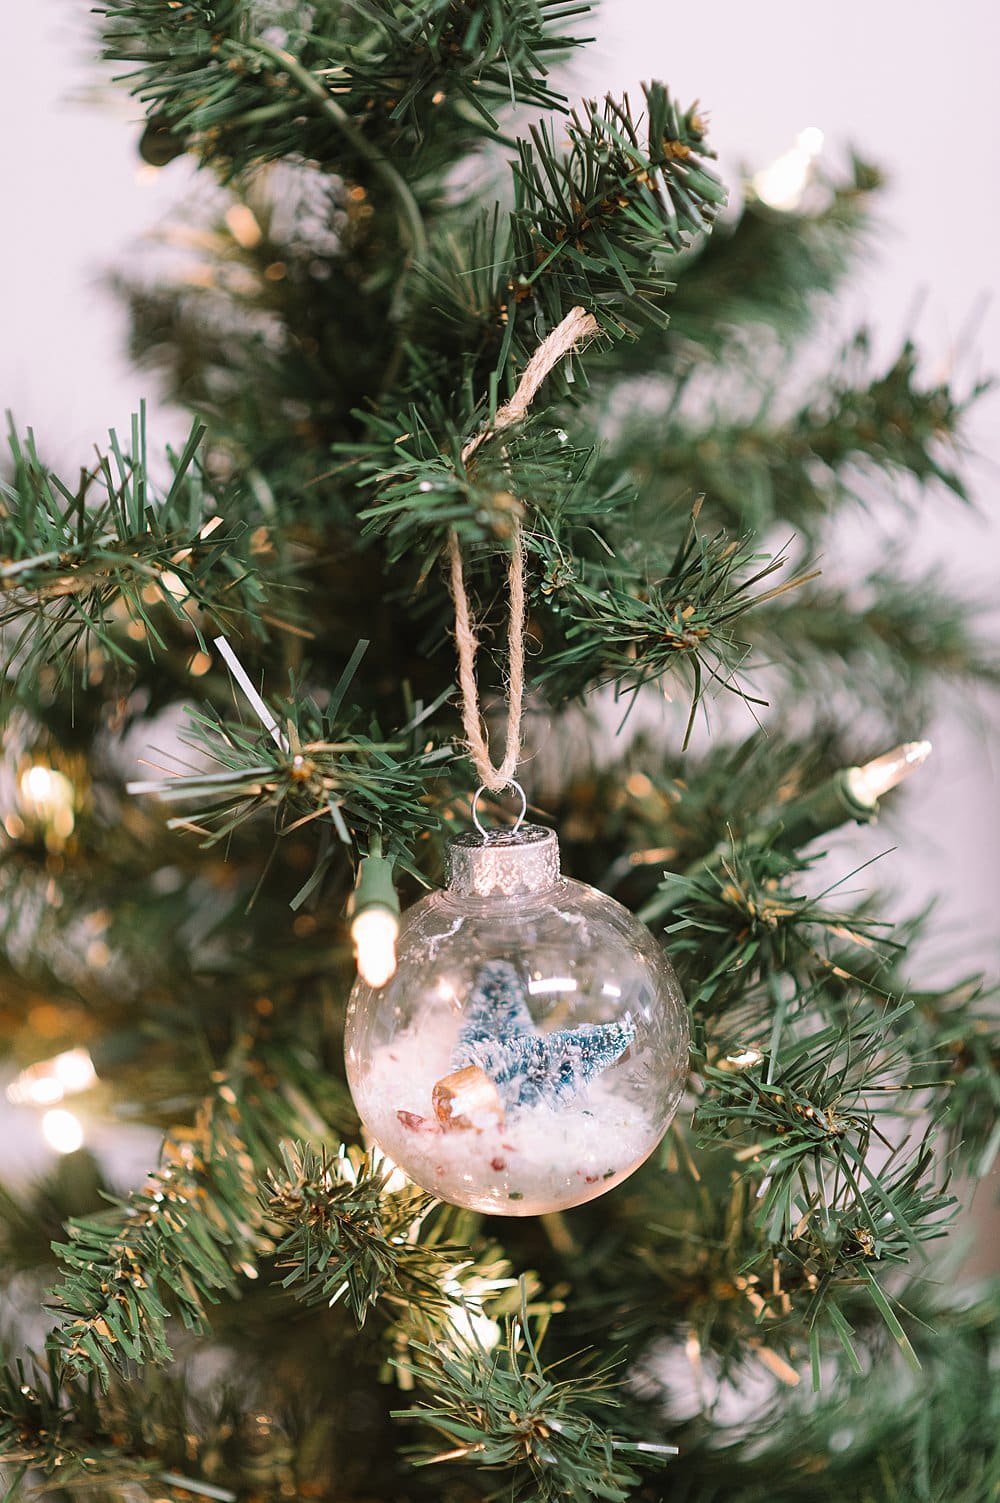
<point x="577" y="325"/>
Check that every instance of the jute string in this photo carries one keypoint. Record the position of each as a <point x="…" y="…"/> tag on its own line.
<point x="577" y="325"/>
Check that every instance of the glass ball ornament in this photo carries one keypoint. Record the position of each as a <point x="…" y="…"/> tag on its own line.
<point x="531" y="1048"/>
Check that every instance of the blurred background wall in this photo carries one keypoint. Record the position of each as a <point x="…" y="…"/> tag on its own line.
<point x="912" y="88"/>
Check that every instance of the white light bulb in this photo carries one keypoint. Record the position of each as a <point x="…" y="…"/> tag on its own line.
<point x="62" y="1130"/>
<point x="472" y="1327"/>
<point x="374" y="932"/>
<point x="465" y="1314"/>
<point x="744" y="1059"/>
<point x="50" y="1080"/>
<point x="868" y="783"/>
<point x="36" y="784"/>
<point x="44" y="790"/>
<point x="74" y="1070"/>
<point x="44" y="1090"/>
<point x="810" y="140"/>
<point x="783" y="183"/>
<point x="50" y="798"/>
<point x="398" y="1178"/>
<point x="171" y="582"/>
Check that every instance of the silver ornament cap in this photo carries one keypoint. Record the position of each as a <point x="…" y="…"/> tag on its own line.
<point x="503" y="863"/>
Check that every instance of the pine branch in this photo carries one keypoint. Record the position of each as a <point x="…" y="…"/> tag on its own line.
<point x="428" y="485"/>
<point x="812" y="1120"/>
<point x="589" y="228"/>
<point x="899" y="425"/>
<point x="209" y="70"/>
<point x="502" y="1409"/>
<point x="745" y="917"/>
<point x="854" y="436"/>
<point x="78" y="569"/>
<point x="179" y="1241"/>
<point x="347" y="1236"/>
<point x="820" y="1082"/>
<point x="956" y="1029"/>
<point x="165" y="1435"/>
<point x="808" y="1103"/>
<point x="382" y="76"/>
<point x="51" y="1426"/>
<point x="500" y="52"/>
<point x="601" y="612"/>
<point x="317" y="766"/>
<point x="195" y="1232"/>
<point x="425" y="489"/>
<point x="614" y="623"/>
<point x="828" y="1286"/>
<point x="878" y="1434"/>
<point x="891" y="640"/>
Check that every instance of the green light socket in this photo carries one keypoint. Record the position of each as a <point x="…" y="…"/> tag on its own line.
<point x="374" y="887"/>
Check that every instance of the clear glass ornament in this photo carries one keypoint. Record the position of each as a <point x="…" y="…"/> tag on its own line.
<point x="531" y="1048"/>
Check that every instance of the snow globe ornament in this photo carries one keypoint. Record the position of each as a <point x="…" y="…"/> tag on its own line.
<point x="531" y="1047"/>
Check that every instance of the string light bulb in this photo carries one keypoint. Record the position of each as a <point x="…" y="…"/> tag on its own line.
<point x="62" y="1130"/>
<point x="783" y="184"/>
<point x="374" y="933"/>
<point x="50" y="1080"/>
<point x="868" y="783"/>
<point x="48" y="798"/>
<point x="374" y="914"/>
<point x="853" y="793"/>
<point x="465" y="1315"/>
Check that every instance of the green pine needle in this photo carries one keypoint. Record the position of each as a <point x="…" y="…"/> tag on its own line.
<point x="503" y="1410"/>
<point x="345" y="1235"/>
<point x="79" y="565"/>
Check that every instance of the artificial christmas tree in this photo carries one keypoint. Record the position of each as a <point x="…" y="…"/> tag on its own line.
<point x="439" y="407"/>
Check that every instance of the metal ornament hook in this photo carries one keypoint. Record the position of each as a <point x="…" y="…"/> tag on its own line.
<point x="519" y="821"/>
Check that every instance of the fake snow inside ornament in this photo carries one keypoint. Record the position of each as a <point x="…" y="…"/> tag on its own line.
<point x="531" y="1048"/>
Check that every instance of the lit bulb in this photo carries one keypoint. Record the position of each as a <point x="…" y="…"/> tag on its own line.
<point x="74" y="1070"/>
<point x="472" y="1326"/>
<point x="465" y="1314"/>
<point x="44" y="1091"/>
<point x="783" y="183"/>
<point x="398" y="1178"/>
<point x="744" y="1059"/>
<point x="50" y="1080"/>
<point x="374" y="932"/>
<point x="49" y="797"/>
<point x="62" y="1130"/>
<point x="868" y="783"/>
<point x="171" y="582"/>
<point x="243" y="226"/>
